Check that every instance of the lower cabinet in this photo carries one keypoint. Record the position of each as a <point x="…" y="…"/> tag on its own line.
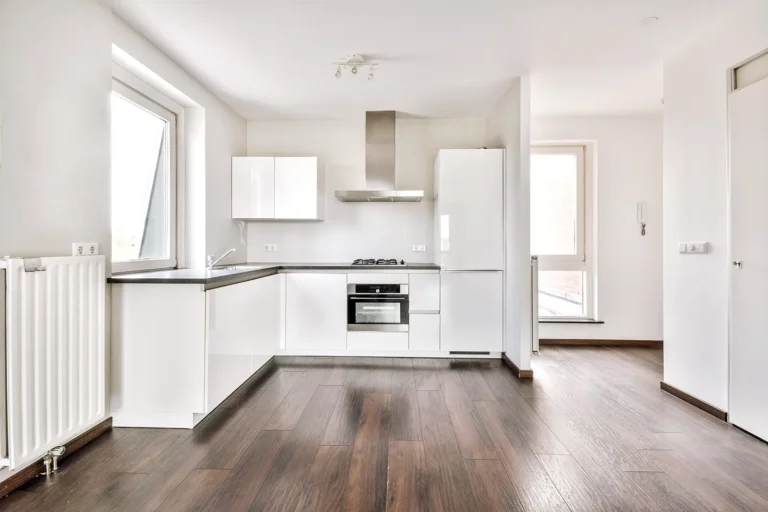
<point x="243" y="332"/>
<point x="377" y="341"/>
<point x="316" y="311"/>
<point x="424" y="332"/>
<point x="471" y="311"/>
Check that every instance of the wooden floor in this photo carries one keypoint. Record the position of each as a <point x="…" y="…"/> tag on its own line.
<point x="592" y="432"/>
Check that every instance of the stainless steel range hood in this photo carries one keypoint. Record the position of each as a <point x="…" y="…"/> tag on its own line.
<point x="380" y="164"/>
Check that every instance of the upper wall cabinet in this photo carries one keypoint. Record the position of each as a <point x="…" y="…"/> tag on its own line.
<point x="276" y="188"/>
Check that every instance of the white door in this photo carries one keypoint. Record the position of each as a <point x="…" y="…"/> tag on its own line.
<point x="749" y="247"/>
<point x="253" y="187"/>
<point x="296" y="188"/>
<point x="471" y="311"/>
<point x="470" y="207"/>
<point x="316" y="312"/>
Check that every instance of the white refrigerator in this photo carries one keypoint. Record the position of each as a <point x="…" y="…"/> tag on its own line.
<point x="469" y="247"/>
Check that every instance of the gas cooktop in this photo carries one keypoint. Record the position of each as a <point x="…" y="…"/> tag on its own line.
<point x="370" y="261"/>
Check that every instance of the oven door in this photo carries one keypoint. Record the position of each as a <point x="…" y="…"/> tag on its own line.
<point x="377" y="312"/>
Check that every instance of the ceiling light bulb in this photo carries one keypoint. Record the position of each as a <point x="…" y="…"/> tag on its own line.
<point x="370" y="75"/>
<point x="354" y="70"/>
<point x="338" y="72"/>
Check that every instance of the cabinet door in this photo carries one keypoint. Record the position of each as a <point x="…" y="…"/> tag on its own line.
<point x="253" y="188"/>
<point x="316" y="312"/>
<point x="470" y="209"/>
<point x="424" y="292"/>
<point x="424" y="332"/>
<point x="471" y="311"/>
<point x="242" y="334"/>
<point x="296" y="188"/>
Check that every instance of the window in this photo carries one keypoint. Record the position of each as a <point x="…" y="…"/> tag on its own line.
<point x="559" y="234"/>
<point x="143" y="172"/>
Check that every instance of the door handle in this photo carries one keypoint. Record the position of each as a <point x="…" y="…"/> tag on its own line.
<point x="737" y="263"/>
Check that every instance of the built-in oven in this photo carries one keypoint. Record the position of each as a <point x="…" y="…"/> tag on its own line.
<point x="377" y="307"/>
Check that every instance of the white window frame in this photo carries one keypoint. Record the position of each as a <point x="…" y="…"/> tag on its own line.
<point x="582" y="260"/>
<point x="144" y="96"/>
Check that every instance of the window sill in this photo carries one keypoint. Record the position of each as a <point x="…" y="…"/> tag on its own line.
<point x="569" y="321"/>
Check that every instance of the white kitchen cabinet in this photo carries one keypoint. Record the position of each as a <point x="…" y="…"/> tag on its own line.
<point x="296" y="190"/>
<point x="242" y="334"/>
<point x="316" y="311"/>
<point x="276" y="188"/>
<point x="424" y="332"/>
<point x="377" y="341"/>
<point x="469" y="209"/>
<point x="178" y="351"/>
<point x="253" y="188"/>
<point x="471" y="311"/>
<point x="424" y="292"/>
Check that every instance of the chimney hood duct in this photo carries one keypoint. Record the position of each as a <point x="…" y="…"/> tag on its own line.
<point x="380" y="164"/>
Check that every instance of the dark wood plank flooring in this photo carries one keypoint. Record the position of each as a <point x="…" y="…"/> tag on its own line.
<point x="591" y="432"/>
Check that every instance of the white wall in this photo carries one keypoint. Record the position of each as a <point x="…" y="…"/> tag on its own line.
<point x="627" y="169"/>
<point x="695" y="205"/>
<point x="212" y="231"/>
<point x="357" y="230"/>
<point x="55" y="80"/>
<point x="56" y="62"/>
<point x="509" y="128"/>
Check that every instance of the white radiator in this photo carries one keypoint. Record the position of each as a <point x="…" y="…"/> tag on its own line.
<point x="55" y="355"/>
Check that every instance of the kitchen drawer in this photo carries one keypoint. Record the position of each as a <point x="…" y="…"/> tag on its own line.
<point x="358" y="340"/>
<point x="368" y="278"/>
<point x="424" y="292"/>
<point x="424" y="332"/>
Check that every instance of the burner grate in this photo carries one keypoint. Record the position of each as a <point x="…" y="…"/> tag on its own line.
<point x="380" y="261"/>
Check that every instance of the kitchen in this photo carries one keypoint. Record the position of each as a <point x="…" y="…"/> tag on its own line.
<point x="183" y="340"/>
<point x="278" y="255"/>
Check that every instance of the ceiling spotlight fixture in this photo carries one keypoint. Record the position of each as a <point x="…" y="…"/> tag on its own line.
<point x="353" y="63"/>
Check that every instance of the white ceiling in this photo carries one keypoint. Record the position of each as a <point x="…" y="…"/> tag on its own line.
<point x="449" y="58"/>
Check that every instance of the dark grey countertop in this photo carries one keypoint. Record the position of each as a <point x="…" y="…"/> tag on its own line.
<point x="241" y="272"/>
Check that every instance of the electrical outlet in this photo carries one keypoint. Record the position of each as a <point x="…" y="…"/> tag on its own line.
<point x="419" y="248"/>
<point x="270" y="247"/>
<point x="85" y="249"/>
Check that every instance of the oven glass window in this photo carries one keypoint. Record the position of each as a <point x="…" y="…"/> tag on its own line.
<point x="377" y="312"/>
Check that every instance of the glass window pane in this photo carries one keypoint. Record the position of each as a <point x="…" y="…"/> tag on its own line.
<point x="140" y="183"/>
<point x="561" y="293"/>
<point x="554" y="204"/>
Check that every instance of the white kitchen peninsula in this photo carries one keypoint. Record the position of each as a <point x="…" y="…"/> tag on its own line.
<point x="184" y="340"/>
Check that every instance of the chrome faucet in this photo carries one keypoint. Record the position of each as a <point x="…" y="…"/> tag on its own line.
<point x="212" y="264"/>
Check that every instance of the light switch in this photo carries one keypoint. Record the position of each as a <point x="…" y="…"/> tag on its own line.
<point x="698" y="247"/>
<point x="692" y="247"/>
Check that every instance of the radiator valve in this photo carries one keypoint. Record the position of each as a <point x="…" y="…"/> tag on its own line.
<point x="56" y="453"/>
<point x="47" y="460"/>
